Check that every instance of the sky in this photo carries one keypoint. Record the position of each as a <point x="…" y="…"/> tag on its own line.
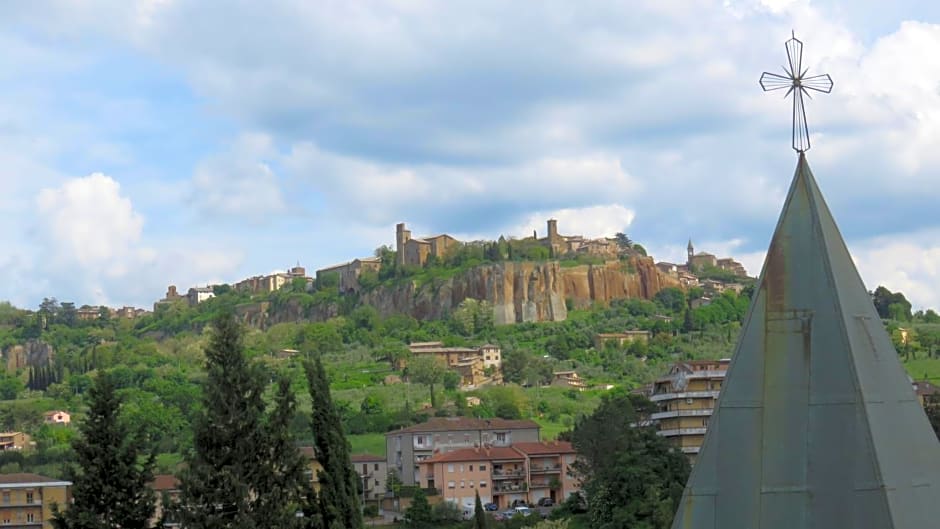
<point x="145" y="143"/>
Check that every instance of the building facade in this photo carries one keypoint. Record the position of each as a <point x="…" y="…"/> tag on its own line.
<point x="415" y="252"/>
<point x="407" y="447"/>
<point x="26" y="500"/>
<point x="56" y="417"/>
<point x="349" y="273"/>
<point x="685" y="398"/>
<point x="373" y="473"/>
<point x="522" y="472"/>
<point x="14" y="440"/>
<point x="476" y="365"/>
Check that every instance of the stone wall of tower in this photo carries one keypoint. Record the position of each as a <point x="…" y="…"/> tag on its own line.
<point x="402" y="236"/>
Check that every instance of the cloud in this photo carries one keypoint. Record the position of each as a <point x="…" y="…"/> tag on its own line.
<point x="238" y="183"/>
<point x="909" y="263"/>
<point x="87" y="221"/>
<point x="592" y="221"/>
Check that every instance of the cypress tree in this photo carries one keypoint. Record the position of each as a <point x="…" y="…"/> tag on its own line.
<point x="111" y="491"/>
<point x="283" y="485"/>
<point x="479" y="515"/>
<point x="338" y="500"/>
<point x="219" y="485"/>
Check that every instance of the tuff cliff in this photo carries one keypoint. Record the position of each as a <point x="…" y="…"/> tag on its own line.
<point x="519" y="292"/>
<point x="524" y="292"/>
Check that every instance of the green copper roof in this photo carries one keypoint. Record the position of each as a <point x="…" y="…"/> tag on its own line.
<point x="817" y="425"/>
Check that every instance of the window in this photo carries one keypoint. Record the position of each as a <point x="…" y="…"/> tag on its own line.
<point x="471" y="468"/>
<point x="6" y="498"/>
<point x="462" y="484"/>
<point x="376" y="483"/>
<point x="482" y="484"/>
<point x="450" y="468"/>
<point x="471" y="484"/>
<point x="461" y="468"/>
<point x="482" y="468"/>
<point x="451" y="484"/>
<point x="501" y="437"/>
<point x="29" y="497"/>
<point x="30" y="517"/>
<point x="376" y="467"/>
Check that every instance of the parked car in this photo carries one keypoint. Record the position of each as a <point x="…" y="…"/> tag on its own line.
<point x="505" y="515"/>
<point x="525" y="511"/>
<point x="546" y="502"/>
<point x="490" y="507"/>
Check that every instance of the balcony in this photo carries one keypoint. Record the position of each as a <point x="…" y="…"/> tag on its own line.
<point x="539" y="485"/>
<point x="695" y="375"/>
<point x="686" y="395"/>
<point x="681" y="413"/>
<point x="34" y="503"/>
<point x="510" y="488"/>
<point x="545" y="469"/>
<point x="682" y="431"/>
<point x="508" y="474"/>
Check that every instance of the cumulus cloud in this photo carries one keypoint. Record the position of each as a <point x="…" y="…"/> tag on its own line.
<point x="87" y="221"/>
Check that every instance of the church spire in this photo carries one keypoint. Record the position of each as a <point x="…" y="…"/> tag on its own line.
<point x="817" y="424"/>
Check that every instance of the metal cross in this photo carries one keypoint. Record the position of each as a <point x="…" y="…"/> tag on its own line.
<point x="796" y="82"/>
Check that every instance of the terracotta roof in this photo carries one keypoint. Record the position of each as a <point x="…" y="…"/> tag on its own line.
<point x="308" y="452"/>
<point x="445" y="424"/>
<point x="165" y="482"/>
<point x="366" y="458"/>
<point x="545" y="448"/>
<point x="25" y="478"/>
<point x="488" y="453"/>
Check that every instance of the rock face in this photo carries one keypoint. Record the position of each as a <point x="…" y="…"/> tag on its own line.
<point x="519" y="292"/>
<point x="32" y="353"/>
<point x="524" y="292"/>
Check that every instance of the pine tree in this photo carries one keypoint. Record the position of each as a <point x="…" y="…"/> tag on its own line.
<point x="479" y="515"/>
<point x="111" y="490"/>
<point x="338" y="500"/>
<point x="225" y="465"/>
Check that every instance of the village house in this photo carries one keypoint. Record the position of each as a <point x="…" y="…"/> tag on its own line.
<point x="475" y="365"/>
<point x="504" y="475"/>
<point x="620" y="338"/>
<point x="407" y="447"/>
<point x="197" y="295"/>
<point x="685" y="398"/>
<point x="701" y="260"/>
<point x="172" y="296"/>
<point x="568" y="379"/>
<point x="167" y="489"/>
<point x="56" y="417"/>
<point x="26" y="500"/>
<point x="14" y="441"/>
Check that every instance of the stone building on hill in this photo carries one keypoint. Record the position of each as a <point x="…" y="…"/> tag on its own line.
<point x="272" y="282"/>
<point x="415" y="252"/>
<point x="701" y="260"/>
<point x="475" y="365"/>
<point x="350" y="272"/>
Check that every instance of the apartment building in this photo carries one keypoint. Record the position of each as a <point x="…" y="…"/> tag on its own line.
<point x="407" y="447"/>
<point x="373" y="473"/>
<point x="685" y="398"/>
<point x="26" y="500"/>
<point x="523" y="472"/>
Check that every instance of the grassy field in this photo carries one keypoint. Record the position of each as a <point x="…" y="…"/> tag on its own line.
<point x="369" y="443"/>
<point x="927" y="368"/>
